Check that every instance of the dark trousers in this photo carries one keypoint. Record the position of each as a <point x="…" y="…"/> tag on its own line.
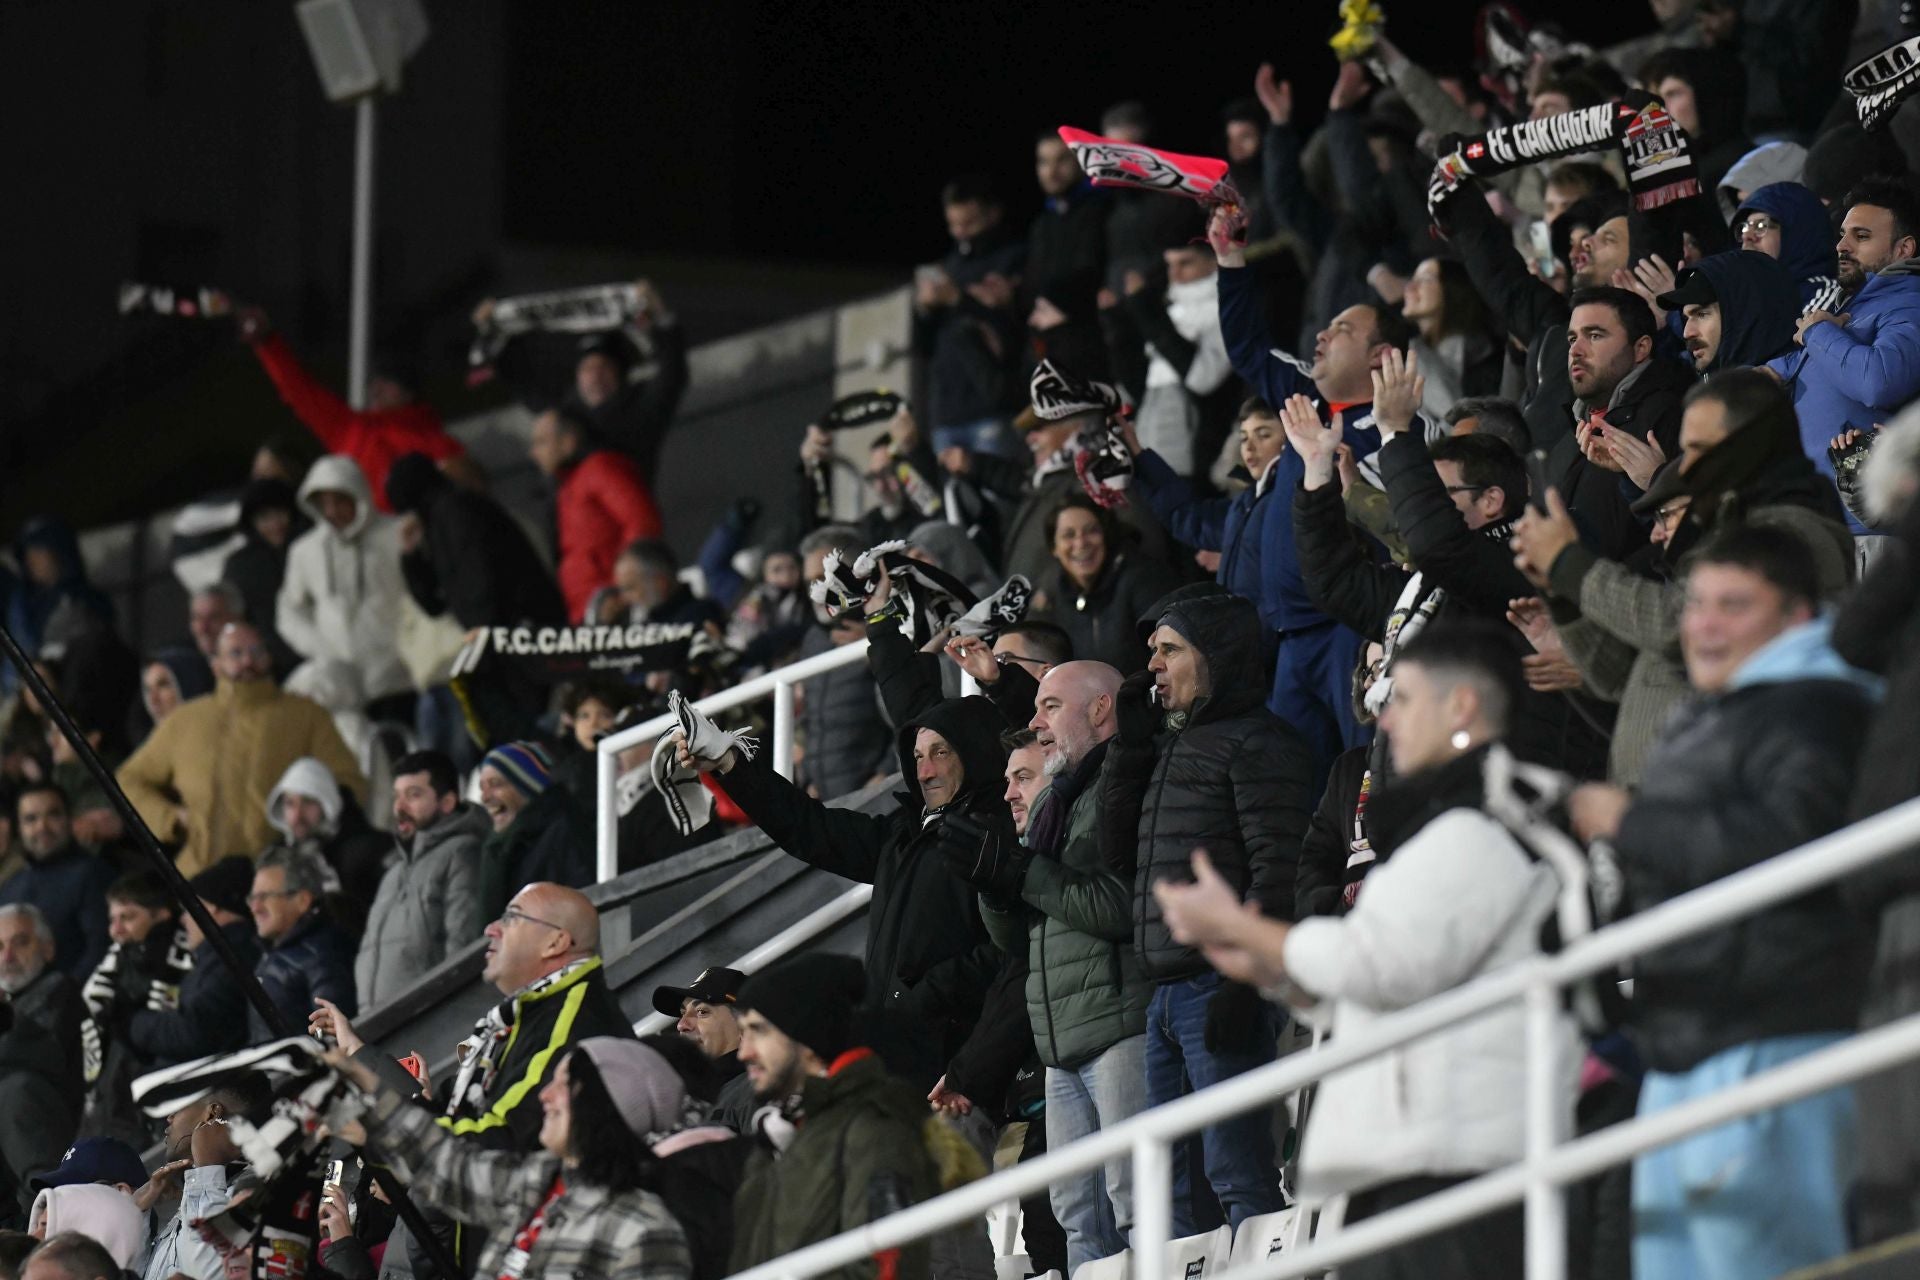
<point x="1040" y="1231"/>
<point x="1489" y="1248"/>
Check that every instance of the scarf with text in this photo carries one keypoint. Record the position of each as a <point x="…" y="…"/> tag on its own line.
<point x="1881" y="83"/>
<point x="1659" y="163"/>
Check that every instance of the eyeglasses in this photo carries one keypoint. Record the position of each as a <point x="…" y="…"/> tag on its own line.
<point x="511" y="914"/>
<point x="1758" y="225"/>
<point x="255" y="899"/>
<point x="1671" y="512"/>
<point x="1004" y="658"/>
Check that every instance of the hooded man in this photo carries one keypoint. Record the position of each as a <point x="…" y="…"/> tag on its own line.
<point x="202" y="777"/>
<point x="849" y="1143"/>
<point x="1740" y="309"/>
<point x="310" y="812"/>
<point x="426" y="907"/>
<point x="927" y="952"/>
<point x="1199" y="762"/>
<point x="1787" y="221"/>
<point x="340" y="601"/>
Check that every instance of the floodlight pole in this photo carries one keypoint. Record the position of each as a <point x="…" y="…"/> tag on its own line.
<point x="361" y="298"/>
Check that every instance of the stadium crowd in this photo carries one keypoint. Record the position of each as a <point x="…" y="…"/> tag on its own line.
<point x="1272" y="540"/>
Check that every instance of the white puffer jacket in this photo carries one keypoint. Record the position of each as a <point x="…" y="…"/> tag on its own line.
<point x="1459" y="899"/>
<point x="340" y="599"/>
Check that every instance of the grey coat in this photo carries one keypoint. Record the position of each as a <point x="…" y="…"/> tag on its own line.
<point x="426" y="908"/>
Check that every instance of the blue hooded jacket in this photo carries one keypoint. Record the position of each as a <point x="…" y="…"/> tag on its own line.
<point x="1807" y="236"/>
<point x="1759" y="305"/>
<point x="32" y="602"/>
<point x="1252" y="531"/>
<point x="1861" y="373"/>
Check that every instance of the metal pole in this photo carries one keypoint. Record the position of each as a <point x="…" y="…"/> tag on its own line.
<point x="360" y="303"/>
<point x="606" y="815"/>
<point x="783" y="729"/>
<point x="1152" y="1205"/>
<point x="189" y="901"/>
<point x="1546" y="1211"/>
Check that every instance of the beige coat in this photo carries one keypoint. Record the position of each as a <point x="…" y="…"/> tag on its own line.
<point x="218" y="757"/>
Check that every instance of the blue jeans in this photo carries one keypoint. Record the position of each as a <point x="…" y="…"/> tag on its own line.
<point x="1313" y="691"/>
<point x="1756" y="1197"/>
<point x="1095" y="1208"/>
<point x="1237" y="1153"/>
<point x="987" y="435"/>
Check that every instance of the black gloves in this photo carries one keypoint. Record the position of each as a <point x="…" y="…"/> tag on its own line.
<point x="985" y="855"/>
<point x="1237" y="1022"/>
<point x="1135" y="713"/>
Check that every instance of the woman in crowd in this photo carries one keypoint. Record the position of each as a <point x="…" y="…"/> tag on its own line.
<point x="1098" y="591"/>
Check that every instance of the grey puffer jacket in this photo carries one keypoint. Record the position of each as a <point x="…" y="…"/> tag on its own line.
<point x="426" y="908"/>
<point x="1085" y="988"/>
<point x="1231" y="778"/>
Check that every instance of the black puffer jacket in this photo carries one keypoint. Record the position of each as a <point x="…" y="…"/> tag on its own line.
<point x="927" y="952"/>
<point x="1741" y="778"/>
<point x="1233" y="779"/>
<point x="1101" y="621"/>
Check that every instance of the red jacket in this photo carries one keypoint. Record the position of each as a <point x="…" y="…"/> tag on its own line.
<point x="601" y="506"/>
<point x="372" y="439"/>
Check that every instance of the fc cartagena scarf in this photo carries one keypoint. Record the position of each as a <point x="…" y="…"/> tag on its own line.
<point x="1881" y="83"/>
<point x="1660" y="166"/>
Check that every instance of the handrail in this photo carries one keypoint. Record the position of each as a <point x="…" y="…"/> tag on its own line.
<point x="781" y="944"/>
<point x="1548" y="1164"/>
<point x="779" y="683"/>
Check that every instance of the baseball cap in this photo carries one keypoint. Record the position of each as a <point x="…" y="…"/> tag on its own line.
<point x="93" y="1160"/>
<point x="1690" y="288"/>
<point x="713" y="986"/>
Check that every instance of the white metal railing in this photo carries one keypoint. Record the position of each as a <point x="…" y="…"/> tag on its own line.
<point x="780" y="944"/>
<point x="1548" y="1166"/>
<point x="777" y="684"/>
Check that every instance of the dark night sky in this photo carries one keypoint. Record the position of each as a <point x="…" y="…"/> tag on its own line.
<point x="822" y="133"/>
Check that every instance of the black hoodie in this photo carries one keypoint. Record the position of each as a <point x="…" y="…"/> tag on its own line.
<point x="927" y="953"/>
<point x="1232" y="778"/>
<point x="473" y="560"/>
<point x="1759" y="305"/>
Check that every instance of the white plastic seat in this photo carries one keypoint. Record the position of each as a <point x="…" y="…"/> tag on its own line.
<point x="1115" y="1267"/>
<point x="1262" y="1237"/>
<point x="1192" y="1257"/>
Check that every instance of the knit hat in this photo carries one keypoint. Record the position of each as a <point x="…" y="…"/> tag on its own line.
<point x="226" y="883"/>
<point x="525" y="764"/>
<point x="646" y="1090"/>
<point x="810" y="999"/>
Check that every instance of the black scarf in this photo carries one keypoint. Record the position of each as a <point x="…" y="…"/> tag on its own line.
<point x="1049" y="826"/>
<point x="1660" y="166"/>
<point x="1401" y="806"/>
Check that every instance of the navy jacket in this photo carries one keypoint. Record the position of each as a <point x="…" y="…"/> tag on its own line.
<point x="1249" y="530"/>
<point x="70" y="888"/>
<point x="213" y="1012"/>
<point x="1759" y="305"/>
<point x="314" y="959"/>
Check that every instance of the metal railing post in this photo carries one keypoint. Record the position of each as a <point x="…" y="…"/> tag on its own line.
<point x="783" y="728"/>
<point x="1152" y="1206"/>
<point x="1546" y="1205"/>
<point x="606" y="815"/>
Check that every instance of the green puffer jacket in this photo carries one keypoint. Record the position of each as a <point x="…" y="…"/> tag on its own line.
<point x="860" y="1153"/>
<point x="1086" y="991"/>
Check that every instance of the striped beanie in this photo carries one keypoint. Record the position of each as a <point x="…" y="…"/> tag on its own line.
<point x="525" y="764"/>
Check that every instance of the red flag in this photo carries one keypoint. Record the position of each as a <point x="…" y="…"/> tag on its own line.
<point x="1129" y="164"/>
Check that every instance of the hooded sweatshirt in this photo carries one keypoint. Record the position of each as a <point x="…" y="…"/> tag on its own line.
<point x="1766" y="164"/>
<point x="1759" y="303"/>
<point x="340" y="601"/>
<point x="32" y="603"/>
<point x="1806" y="235"/>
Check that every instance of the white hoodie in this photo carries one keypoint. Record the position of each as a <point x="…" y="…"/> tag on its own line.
<point x="340" y="600"/>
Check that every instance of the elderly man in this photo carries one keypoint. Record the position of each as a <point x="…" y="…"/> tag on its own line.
<point x="40" y="1078"/>
<point x="307" y="956"/>
<point x="203" y="777"/>
<point x="1086" y="994"/>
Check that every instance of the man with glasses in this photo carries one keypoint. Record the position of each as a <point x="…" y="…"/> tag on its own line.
<point x="543" y="956"/>
<point x="202" y="778"/>
<point x="1009" y="669"/>
<point x="306" y="956"/>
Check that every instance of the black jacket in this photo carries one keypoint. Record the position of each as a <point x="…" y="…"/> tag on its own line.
<point x="1331" y="868"/>
<point x="1102" y="621"/>
<point x="474" y="561"/>
<point x="1878" y="630"/>
<point x="1741" y="778"/>
<point x="44" y="1036"/>
<point x="69" y="886"/>
<point x="1602" y="499"/>
<point x="973" y="352"/>
<point x="213" y="1011"/>
<point x="315" y="958"/>
<point x="927" y="953"/>
<point x="550" y="839"/>
<point x="1233" y="779"/>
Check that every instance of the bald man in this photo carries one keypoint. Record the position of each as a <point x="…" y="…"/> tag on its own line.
<point x="1086" y="993"/>
<point x="543" y="955"/>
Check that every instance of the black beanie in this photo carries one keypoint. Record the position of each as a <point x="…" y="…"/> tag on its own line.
<point x="226" y="883"/>
<point x="411" y="478"/>
<point x="810" y="999"/>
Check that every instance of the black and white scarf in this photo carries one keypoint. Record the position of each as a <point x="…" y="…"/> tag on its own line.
<point x="481" y="1051"/>
<point x="1660" y="165"/>
<point x="1411" y="613"/>
<point x="925" y="597"/>
<point x="1881" y="83"/>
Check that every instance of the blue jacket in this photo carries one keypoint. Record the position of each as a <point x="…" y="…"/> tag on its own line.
<point x="315" y="958"/>
<point x="1861" y="374"/>
<point x="1249" y="531"/>
<point x="70" y="888"/>
<point x="1282" y="594"/>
